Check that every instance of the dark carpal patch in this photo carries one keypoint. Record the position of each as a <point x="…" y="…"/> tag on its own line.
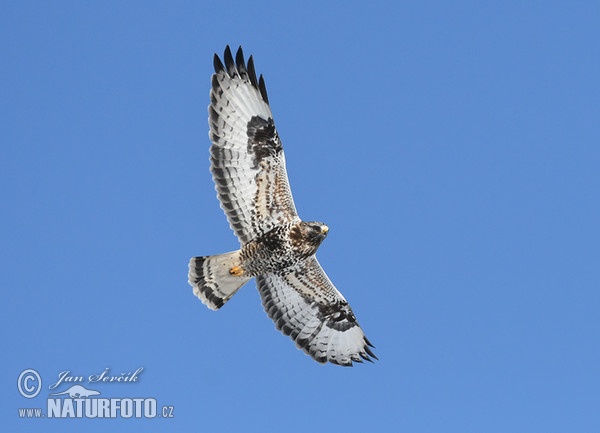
<point x="263" y="140"/>
<point x="338" y="316"/>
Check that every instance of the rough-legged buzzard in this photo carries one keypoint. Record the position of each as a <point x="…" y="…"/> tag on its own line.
<point x="277" y="247"/>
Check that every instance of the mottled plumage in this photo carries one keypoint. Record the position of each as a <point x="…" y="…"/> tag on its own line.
<point x="277" y="247"/>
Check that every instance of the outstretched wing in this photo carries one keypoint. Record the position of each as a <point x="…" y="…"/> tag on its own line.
<point x="247" y="160"/>
<point x="305" y="305"/>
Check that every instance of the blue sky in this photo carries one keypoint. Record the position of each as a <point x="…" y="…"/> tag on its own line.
<point x="453" y="148"/>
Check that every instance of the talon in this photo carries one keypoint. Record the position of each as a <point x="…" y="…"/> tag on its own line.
<point x="236" y="271"/>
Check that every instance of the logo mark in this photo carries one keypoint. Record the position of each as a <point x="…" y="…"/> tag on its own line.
<point x="78" y="391"/>
<point x="24" y="383"/>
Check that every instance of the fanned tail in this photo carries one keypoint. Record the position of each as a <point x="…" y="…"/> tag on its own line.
<point x="214" y="278"/>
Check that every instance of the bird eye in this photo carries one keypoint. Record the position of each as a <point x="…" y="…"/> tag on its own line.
<point x="316" y="228"/>
<point x="320" y="228"/>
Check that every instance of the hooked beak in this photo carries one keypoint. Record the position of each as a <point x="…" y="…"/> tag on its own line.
<point x="324" y="229"/>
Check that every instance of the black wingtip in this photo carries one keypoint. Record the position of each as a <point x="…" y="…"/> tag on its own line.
<point x="252" y="72"/>
<point x="369" y="343"/>
<point x="263" y="89"/>
<point x="240" y="62"/>
<point x="229" y="63"/>
<point x="218" y="64"/>
<point x="239" y="68"/>
<point x="369" y="351"/>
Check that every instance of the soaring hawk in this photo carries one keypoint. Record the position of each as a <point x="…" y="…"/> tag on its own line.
<point x="277" y="247"/>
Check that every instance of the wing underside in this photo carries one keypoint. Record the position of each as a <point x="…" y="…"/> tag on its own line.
<point x="305" y="305"/>
<point x="247" y="159"/>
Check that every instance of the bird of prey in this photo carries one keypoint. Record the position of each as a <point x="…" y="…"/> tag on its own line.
<point x="277" y="247"/>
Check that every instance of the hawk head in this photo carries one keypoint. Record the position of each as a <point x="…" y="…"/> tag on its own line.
<point x="307" y="236"/>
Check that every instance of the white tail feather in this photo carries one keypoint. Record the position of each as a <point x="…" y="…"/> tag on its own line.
<point x="212" y="280"/>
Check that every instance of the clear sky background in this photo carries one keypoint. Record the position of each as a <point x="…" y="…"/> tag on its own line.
<point x="453" y="148"/>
